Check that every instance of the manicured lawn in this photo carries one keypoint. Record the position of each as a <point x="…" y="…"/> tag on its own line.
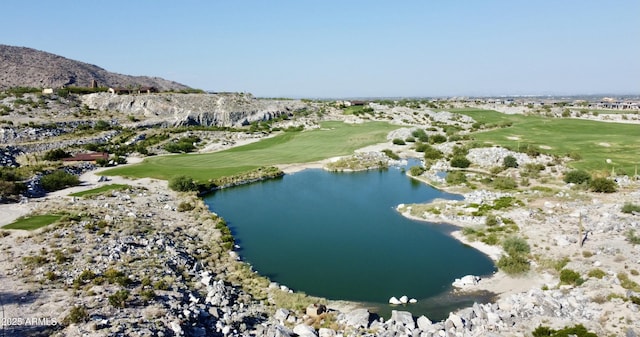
<point x="100" y="190"/>
<point x="594" y="141"/>
<point x="333" y="139"/>
<point x="33" y="222"/>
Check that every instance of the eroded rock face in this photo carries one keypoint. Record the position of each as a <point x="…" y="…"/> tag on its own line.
<point x="195" y="109"/>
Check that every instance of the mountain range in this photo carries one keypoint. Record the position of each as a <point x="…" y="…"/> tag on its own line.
<point x="28" y="67"/>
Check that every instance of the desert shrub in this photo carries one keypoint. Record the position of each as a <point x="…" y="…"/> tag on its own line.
<point x="101" y="125"/>
<point x="161" y="285"/>
<point x="597" y="273"/>
<point x="491" y="220"/>
<point x="630" y="208"/>
<point x="510" y="161"/>
<point x="85" y="276"/>
<point x="409" y="139"/>
<point x="58" y="180"/>
<point x="185" y="207"/>
<point x="398" y="141"/>
<point x="389" y="153"/>
<point x="437" y="138"/>
<point x="119" y="298"/>
<point x="416" y="170"/>
<point x="77" y="314"/>
<point x="568" y="276"/>
<point x="504" y="183"/>
<point x="421" y="147"/>
<point x="456" y="178"/>
<point x="515" y="246"/>
<point x="56" y="154"/>
<point x="114" y="276"/>
<point x="11" y="190"/>
<point x="147" y="295"/>
<point x="431" y="152"/>
<point x="632" y="237"/>
<point x="225" y="235"/>
<point x="513" y="265"/>
<point x="460" y="162"/>
<point x="627" y="283"/>
<point x="459" y="151"/>
<point x="602" y="185"/>
<point x="183" y="183"/>
<point x="577" y="177"/>
<point x="491" y="239"/>
<point x="420" y="135"/>
<point x="578" y="330"/>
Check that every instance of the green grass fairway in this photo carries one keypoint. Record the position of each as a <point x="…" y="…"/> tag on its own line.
<point x="33" y="222"/>
<point x="333" y="139"/>
<point x="99" y="190"/>
<point x="594" y="141"/>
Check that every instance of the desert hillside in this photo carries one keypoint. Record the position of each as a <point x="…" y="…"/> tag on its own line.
<point x="27" y="67"/>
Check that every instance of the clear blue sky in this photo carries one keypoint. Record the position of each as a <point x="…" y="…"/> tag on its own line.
<point x="361" y="48"/>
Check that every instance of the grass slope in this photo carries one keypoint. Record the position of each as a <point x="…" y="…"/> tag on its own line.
<point x="594" y="141"/>
<point x="33" y="222"/>
<point x="99" y="190"/>
<point x="332" y="139"/>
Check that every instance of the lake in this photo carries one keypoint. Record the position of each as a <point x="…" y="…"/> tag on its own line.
<point x="338" y="236"/>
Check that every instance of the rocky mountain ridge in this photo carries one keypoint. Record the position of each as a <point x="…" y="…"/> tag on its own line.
<point x="234" y="109"/>
<point x="28" y="67"/>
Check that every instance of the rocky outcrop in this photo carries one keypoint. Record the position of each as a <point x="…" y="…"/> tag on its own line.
<point x="195" y="109"/>
<point x="27" y="67"/>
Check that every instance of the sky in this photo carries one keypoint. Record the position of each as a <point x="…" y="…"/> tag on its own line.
<point x="359" y="48"/>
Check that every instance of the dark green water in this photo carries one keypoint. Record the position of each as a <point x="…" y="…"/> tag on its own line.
<point x="338" y="236"/>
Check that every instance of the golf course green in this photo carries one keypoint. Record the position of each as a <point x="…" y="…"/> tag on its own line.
<point x="331" y="139"/>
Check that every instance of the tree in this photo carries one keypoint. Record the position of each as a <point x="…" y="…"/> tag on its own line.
<point x="58" y="180"/>
<point x="56" y="154"/>
<point x="510" y="161"/>
<point x="460" y="162"/>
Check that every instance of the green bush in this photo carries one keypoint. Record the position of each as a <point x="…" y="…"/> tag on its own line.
<point x="421" y="147"/>
<point x="456" y="178"/>
<point x="632" y="237"/>
<point x="577" y="177"/>
<point x="420" y="135"/>
<point x="510" y="161"/>
<point x="416" y="170"/>
<point x="398" y="141"/>
<point x="77" y="314"/>
<point x="11" y="190"/>
<point x="491" y="220"/>
<point x="431" y="152"/>
<point x="568" y="276"/>
<point x="504" y="183"/>
<point x="513" y="265"/>
<point x="185" y="207"/>
<point x="515" y="246"/>
<point x="119" y="299"/>
<point x="389" y="153"/>
<point x="459" y="151"/>
<point x="630" y="208"/>
<point x="58" y="180"/>
<point x="578" y="331"/>
<point x="437" y="138"/>
<point x="602" y="185"/>
<point x="56" y="154"/>
<point x="597" y="273"/>
<point x="460" y="162"/>
<point x="183" y="183"/>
